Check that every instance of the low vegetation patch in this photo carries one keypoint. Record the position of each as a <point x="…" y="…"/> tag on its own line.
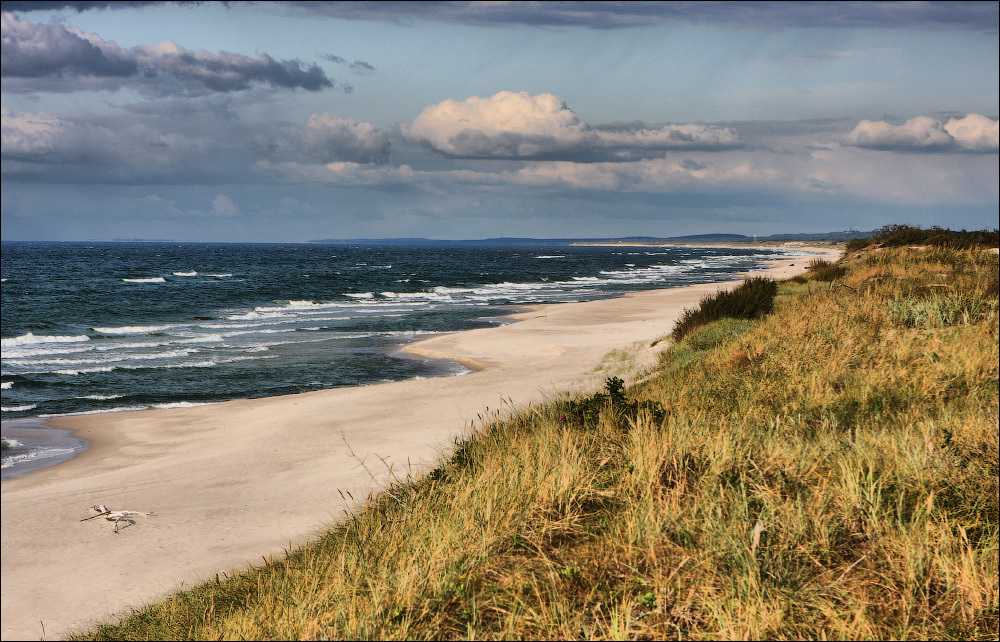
<point x="827" y="471"/>
<point x="822" y="270"/>
<point x="907" y="235"/>
<point x="751" y="299"/>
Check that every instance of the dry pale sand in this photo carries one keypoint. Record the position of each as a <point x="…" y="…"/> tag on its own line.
<point x="230" y="482"/>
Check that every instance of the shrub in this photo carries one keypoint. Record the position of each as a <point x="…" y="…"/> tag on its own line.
<point x="751" y="299"/>
<point x="855" y="245"/>
<point x="587" y="411"/>
<point x="897" y="235"/>
<point x="825" y="271"/>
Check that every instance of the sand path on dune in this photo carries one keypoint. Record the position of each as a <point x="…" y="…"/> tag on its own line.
<point x="232" y="481"/>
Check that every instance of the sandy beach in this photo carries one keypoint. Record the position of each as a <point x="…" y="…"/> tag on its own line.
<point x="231" y="482"/>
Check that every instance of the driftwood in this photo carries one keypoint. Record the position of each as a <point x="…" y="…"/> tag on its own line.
<point x="116" y="516"/>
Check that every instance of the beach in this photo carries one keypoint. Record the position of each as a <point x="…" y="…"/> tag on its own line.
<point x="234" y="481"/>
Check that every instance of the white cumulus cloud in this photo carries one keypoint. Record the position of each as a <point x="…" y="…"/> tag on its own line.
<point x="973" y="133"/>
<point x="519" y="125"/>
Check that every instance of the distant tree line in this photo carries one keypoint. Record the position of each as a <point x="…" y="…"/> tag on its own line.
<point x="897" y="235"/>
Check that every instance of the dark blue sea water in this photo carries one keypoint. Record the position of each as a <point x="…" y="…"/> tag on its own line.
<point x="104" y="327"/>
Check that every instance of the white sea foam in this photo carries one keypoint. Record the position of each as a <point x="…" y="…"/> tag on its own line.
<point x="362" y="295"/>
<point x="191" y="273"/>
<point x="43" y="453"/>
<point x="170" y="354"/>
<point x="220" y="276"/>
<point x="151" y="279"/>
<point x="33" y="339"/>
<point x="6" y="385"/>
<point x="551" y="256"/>
<point x="30" y="406"/>
<point x="80" y="371"/>
<point x="101" y="397"/>
<point x="29" y="351"/>
<point x="134" y="329"/>
<point x="12" y="443"/>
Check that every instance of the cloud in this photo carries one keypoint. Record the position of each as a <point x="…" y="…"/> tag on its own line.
<point x="974" y="133"/>
<point x="153" y="205"/>
<point x="520" y="126"/>
<point x="63" y="148"/>
<point x="653" y="175"/>
<point x="359" y="67"/>
<point x="979" y="16"/>
<point x="173" y="142"/>
<point x="330" y="137"/>
<point x="222" y="205"/>
<point x="59" y="59"/>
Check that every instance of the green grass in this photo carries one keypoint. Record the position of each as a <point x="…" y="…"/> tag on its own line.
<point x="829" y="470"/>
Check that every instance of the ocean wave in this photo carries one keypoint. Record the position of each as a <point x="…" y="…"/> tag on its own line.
<point x="12" y="443"/>
<point x="191" y="273"/>
<point x="33" y="339"/>
<point x="170" y="354"/>
<point x="151" y="279"/>
<point x="220" y="276"/>
<point x="134" y="329"/>
<point x="362" y="295"/>
<point x="101" y="397"/>
<point x="551" y="256"/>
<point x="43" y="453"/>
<point x="6" y="385"/>
<point x="30" y="406"/>
<point x="75" y="372"/>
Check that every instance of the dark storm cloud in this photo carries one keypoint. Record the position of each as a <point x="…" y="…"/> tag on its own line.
<point x="977" y="16"/>
<point x="53" y="58"/>
<point x="981" y="16"/>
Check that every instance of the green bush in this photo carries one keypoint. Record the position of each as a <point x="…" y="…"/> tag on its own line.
<point x="897" y="235"/>
<point x="751" y="299"/>
<point x="822" y="270"/>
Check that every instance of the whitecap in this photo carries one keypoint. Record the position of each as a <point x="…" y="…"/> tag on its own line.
<point x="362" y="295"/>
<point x="101" y="397"/>
<point x="73" y="373"/>
<point x="191" y="273"/>
<point x="32" y="339"/>
<point x="30" y="406"/>
<point x="220" y="276"/>
<point x="152" y="279"/>
<point x="7" y="385"/>
<point x="551" y="256"/>
<point x="134" y="329"/>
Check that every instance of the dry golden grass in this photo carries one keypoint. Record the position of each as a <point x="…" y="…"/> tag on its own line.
<point x="830" y="471"/>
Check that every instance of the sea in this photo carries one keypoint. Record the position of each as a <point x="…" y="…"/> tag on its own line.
<point x="112" y="327"/>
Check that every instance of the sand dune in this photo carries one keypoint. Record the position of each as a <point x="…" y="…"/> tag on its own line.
<point x="232" y="481"/>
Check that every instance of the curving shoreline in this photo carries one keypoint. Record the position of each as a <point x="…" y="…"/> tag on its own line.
<point x="234" y="480"/>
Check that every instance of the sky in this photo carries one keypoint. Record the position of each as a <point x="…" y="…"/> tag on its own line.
<point x="295" y="121"/>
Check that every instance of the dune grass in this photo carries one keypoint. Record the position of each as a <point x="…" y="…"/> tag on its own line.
<point x="827" y="471"/>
